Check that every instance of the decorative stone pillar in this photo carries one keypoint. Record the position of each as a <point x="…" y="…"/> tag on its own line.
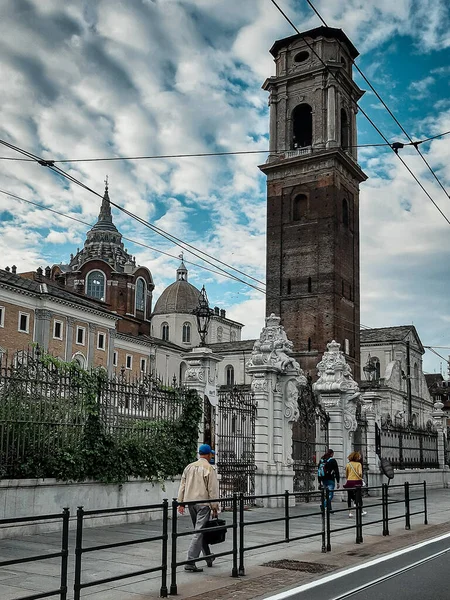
<point x="338" y="393"/>
<point x="201" y="375"/>
<point x="439" y="419"/>
<point x="276" y="379"/>
<point x="42" y="327"/>
<point x="371" y="402"/>
<point x="331" y="116"/>
<point x="111" y="344"/>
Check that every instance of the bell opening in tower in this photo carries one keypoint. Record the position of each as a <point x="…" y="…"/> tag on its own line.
<point x="301" y="126"/>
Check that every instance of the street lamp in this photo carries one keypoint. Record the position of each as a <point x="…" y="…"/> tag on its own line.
<point x="370" y="370"/>
<point x="203" y="315"/>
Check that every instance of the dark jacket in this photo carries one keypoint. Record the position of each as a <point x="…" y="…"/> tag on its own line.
<point x="332" y="471"/>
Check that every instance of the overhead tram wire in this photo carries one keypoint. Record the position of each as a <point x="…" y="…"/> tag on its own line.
<point x="56" y="212"/>
<point x="363" y="112"/>
<point x="231" y="276"/>
<point x="192" y="249"/>
<point x="412" y="143"/>
<point x="205" y="154"/>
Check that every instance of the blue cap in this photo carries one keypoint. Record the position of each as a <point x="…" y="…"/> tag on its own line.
<point x="205" y="449"/>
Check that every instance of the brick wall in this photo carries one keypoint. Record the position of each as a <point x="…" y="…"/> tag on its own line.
<point x="11" y="339"/>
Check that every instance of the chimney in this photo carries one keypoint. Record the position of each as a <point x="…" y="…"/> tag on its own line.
<point x="39" y="272"/>
<point x="7" y="269"/>
<point x="14" y="269"/>
<point x="222" y="313"/>
<point x="48" y="272"/>
<point x="216" y="310"/>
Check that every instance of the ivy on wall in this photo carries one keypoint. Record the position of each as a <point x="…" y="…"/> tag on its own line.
<point x="53" y="424"/>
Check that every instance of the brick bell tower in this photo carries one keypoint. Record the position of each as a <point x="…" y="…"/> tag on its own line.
<point x="313" y="195"/>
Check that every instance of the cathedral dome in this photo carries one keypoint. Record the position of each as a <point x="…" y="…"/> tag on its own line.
<point x="179" y="297"/>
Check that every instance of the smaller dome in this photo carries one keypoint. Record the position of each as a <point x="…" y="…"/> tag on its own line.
<point x="180" y="297"/>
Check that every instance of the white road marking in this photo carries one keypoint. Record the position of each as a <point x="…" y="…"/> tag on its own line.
<point x="371" y="563"/>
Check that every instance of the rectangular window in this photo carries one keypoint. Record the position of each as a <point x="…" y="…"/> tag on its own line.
<point x="2" y="316"/>
<point x="143" y="365"/>
<point x="101" y="341"/>
<point x="114" y="359"/>
<point x="24" y="322"/>
<point x="81" y="331"/>
<point x="129" y="361"/>
<point x="57" y="330"/>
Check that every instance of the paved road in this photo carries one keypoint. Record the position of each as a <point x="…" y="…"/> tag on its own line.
<point x="420" y="573"/>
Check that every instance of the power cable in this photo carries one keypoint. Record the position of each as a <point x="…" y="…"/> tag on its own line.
<point x="185" y="245"/>
<point x="42" y="207"/>
<point x="386" y="107"/>
<point x="380" y="133"/>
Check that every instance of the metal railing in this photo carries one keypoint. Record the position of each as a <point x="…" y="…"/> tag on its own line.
<point x="177" y="534"/>
<point x="410" y="448"/>
<point x="63" y="554"/>
<point x="80" y="550"/>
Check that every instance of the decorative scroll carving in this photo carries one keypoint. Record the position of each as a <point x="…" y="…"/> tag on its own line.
<point x="334" y="372"/>
<point x="273" y="348"/>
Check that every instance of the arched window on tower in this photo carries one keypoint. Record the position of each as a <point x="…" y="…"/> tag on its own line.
<point x="186" y="333"/>
<point x="302" y="126"/>
<point x="345" y="130"/>
<point x="299" y="207"/>
<point x="229" y="373"/>
<point x="165" y="332"/>
<point x="140" y="294"/>
<point x="95" y="285"/>
<point x="345" y="219"/>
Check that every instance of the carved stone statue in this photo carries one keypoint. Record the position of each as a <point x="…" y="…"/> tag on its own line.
<point x="334" y="372"/>
<point x="273" y="348"/>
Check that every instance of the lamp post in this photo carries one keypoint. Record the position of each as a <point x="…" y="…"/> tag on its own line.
<point x="370" y="370"/>
<point x="203" y="315"/>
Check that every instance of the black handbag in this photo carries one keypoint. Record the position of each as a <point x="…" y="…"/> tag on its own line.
<point x="211" y="536"/>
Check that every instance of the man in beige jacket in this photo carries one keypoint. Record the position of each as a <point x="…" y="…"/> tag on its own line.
<point x="199" y="482"/>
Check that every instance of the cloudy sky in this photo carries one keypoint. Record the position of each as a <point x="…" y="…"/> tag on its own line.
<point x="109" y="78"/>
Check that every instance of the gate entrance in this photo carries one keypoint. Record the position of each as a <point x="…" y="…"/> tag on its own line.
<point x="236" y="440"/>
<point x="309" y="439"/>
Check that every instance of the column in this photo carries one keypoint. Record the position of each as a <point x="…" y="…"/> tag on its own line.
<point x="111" y="345"/>
<point x="91" y="344"/>
<point x="42" y="327"/>
<point x="371" y="407"/>
<point x="69" y="337"/>
<point x="439" y="419"/>
<point x="272" y="123"/>
<point x="331" y="117"/>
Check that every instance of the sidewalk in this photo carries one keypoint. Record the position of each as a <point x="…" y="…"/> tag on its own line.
<point x="216" y="583"/>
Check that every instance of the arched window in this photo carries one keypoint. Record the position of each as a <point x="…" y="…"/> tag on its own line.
<point x="219" y="334"/>
<point x="165" y="332"/>
<point x="345" y="219"/>
<point x="79" y="359"/>
<point x="345" y="130"/>
<point x="299" y="207"/>
<point x="183" y="368"/>
<point x="95" y="285"/>
<point x="229" y="373"/>
<point x="186" y="333"/>
<point x="302" y="126"/>
<point x="309" y="285"/>
<point x="289" y="286"/>
<point x="140" y="294"/>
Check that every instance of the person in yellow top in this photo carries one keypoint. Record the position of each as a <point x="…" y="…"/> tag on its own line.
<point x="354" y="477"/>
<point x="199" y="482"/>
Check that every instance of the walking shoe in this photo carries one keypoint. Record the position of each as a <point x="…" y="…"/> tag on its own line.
<point x="350" y="515"/>
<point x="193" y="568"/>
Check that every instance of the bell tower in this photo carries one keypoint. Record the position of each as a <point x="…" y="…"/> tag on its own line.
<point x="313" y="195"/>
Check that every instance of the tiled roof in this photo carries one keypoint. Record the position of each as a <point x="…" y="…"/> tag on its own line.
<point x="232" y="346"/>
<point x="385" y="335"/>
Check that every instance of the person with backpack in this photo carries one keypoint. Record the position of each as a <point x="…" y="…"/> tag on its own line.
<point x="328" y="474"/>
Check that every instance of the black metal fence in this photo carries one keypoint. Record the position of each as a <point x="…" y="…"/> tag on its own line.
<point x="410" y="448"/>
<point x="63" y="553"/>
<point x="80" y="550"/>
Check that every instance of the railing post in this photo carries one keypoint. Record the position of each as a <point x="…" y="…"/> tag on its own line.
<point x="358" y="512"/>
<point x="165" y="527"/>
<point x="286" y="516"/>
<point x="78" y="553"/>
<point x="386" y="510"/>
<point x="324" y="526"/>
<point x="421" y="450"/>
<point x="234" y="571"/>
<point x="173" y="562"/>
<point x="400" y="449"/>
<point x="407" y="507"/>
<point x="425" y="504"/>
<point x="241" y="534"/>
<point x="328" y="520"/>
<point x="64" y="552"/>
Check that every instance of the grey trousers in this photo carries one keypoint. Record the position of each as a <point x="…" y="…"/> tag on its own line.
<point x="200" y="516"/>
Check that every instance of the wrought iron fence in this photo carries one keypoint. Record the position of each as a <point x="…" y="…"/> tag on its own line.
<point x="410" y="448"/>
<point x="44" y="408"/>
